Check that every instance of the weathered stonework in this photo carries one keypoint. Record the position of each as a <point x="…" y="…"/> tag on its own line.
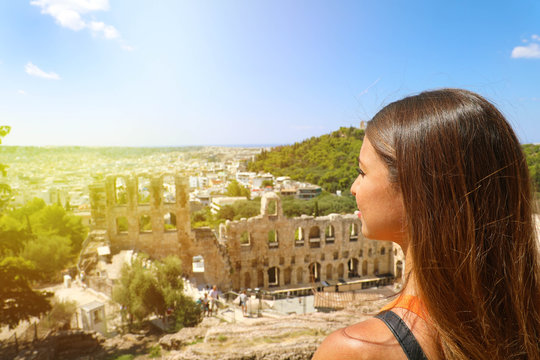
<point x="268" y="251"/>
<point x="327" y="249"/>
<point x="108" y="209"/>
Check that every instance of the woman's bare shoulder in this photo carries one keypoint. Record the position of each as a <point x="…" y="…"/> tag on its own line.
<point x="369" y="339"/>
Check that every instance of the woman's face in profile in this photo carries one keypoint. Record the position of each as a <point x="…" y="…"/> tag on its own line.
<point x="380" y="202"/>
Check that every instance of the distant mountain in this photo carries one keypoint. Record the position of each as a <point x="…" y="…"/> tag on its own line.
<point x="329" y="161"/>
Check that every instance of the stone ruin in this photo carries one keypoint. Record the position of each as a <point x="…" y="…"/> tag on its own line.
<point x="150" y="213"/>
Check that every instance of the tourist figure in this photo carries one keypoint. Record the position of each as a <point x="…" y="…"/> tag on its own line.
<point x="443" y="175"/>
<point x="206" y="305"/>
<point x="214" y="296"/>
<point x="243" y="302"/>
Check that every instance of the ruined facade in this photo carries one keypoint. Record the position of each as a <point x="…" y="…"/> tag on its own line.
<point x="269" y="251"/>
<point x="273" y="251"/>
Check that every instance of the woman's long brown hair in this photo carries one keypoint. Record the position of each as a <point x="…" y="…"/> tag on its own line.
<point x="468" y="199"/>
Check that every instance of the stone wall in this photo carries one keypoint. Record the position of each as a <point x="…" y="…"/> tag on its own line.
<point x="273" y="251"/>
<point x="124" y="203"/>
<point x="268" y="251"/>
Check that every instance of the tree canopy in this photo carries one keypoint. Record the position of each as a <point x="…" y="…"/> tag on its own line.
<point x="328" y="160"/>
<point x="156" y="287"/>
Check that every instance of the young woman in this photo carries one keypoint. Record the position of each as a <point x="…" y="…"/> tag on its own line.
<point x="443" y="175"/>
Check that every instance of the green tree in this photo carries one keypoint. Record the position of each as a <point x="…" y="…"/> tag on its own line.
<point x="154" y="289"/>
<point x="235" y="189"/>
<point x="50" y="254"/>
<point x="18" y="301"/>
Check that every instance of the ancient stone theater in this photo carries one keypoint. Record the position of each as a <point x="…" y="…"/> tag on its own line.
<point x="150" y="214"/>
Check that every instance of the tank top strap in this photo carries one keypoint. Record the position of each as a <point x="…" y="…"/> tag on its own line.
<point x="409" y="302"/>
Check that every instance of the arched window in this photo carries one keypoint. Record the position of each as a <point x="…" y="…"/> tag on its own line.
<point x="272" y="208"/>
<point x="120" y="191"/>
<point x="145" y="223"/>
<point x="245" y="239"/>
<point x="299" y="237"/>
<point x="329" y="234"/>
<point x="198" y="264"/>
<point x="169" y="189"/>
<point x="383" y="251"/>
<point x="314" y="237"/>
<point x="143" y="186"/>
<point x="314" y="272"/>
<point x="273" y="239"/>
<point x="169" y="222"/>
<point x="273" y="276"/>
<point x="352" y="265"/>
<point x="121" y="225"/>
<point x="353" y="235"/>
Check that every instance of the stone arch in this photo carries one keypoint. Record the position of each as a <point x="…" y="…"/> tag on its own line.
<point x="273" y="276"/>
<point x="353" y="232"/>
<point x="299" y="236"/>
<point x="121" y="225"/>
<point x="329" y="271"/>
<point x="314" y="272"/>
<point x="329" y="234"/>
<point x="340" y="271"/>
<point x="287" y="273"/>
<point x="271" y="204"/>
<point x="120" y="191"/>
<point x="352" y="266"/>
<point x="315" y="237"/>
<point x="169" y="189"/>
<point x="143" y="190"/>
<point x="169" y="221"/>
<point x="364" y="268"/>
<point x="145" y="223"/>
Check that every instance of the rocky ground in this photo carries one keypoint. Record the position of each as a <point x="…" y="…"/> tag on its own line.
<point x="291" y="337"/>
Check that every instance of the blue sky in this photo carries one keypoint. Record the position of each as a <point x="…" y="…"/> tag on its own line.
<point x="173" y="73"/>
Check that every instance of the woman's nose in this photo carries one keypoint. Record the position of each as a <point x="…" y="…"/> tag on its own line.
<point x="353" y="191"/>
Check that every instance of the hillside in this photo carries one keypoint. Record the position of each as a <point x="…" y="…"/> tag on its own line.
<point x="330" y="160"/>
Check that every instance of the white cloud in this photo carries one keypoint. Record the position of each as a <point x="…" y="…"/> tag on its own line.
<point x="531" y="51"/>
<point x="108" y="31"/>
<point x="33" y="70"/>
<point x="535" y="37"/>
<point x="22" y="92"/>
<point x="69" y="14"/>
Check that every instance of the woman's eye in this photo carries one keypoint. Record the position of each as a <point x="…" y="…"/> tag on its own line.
<point x="360" y="172"/>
